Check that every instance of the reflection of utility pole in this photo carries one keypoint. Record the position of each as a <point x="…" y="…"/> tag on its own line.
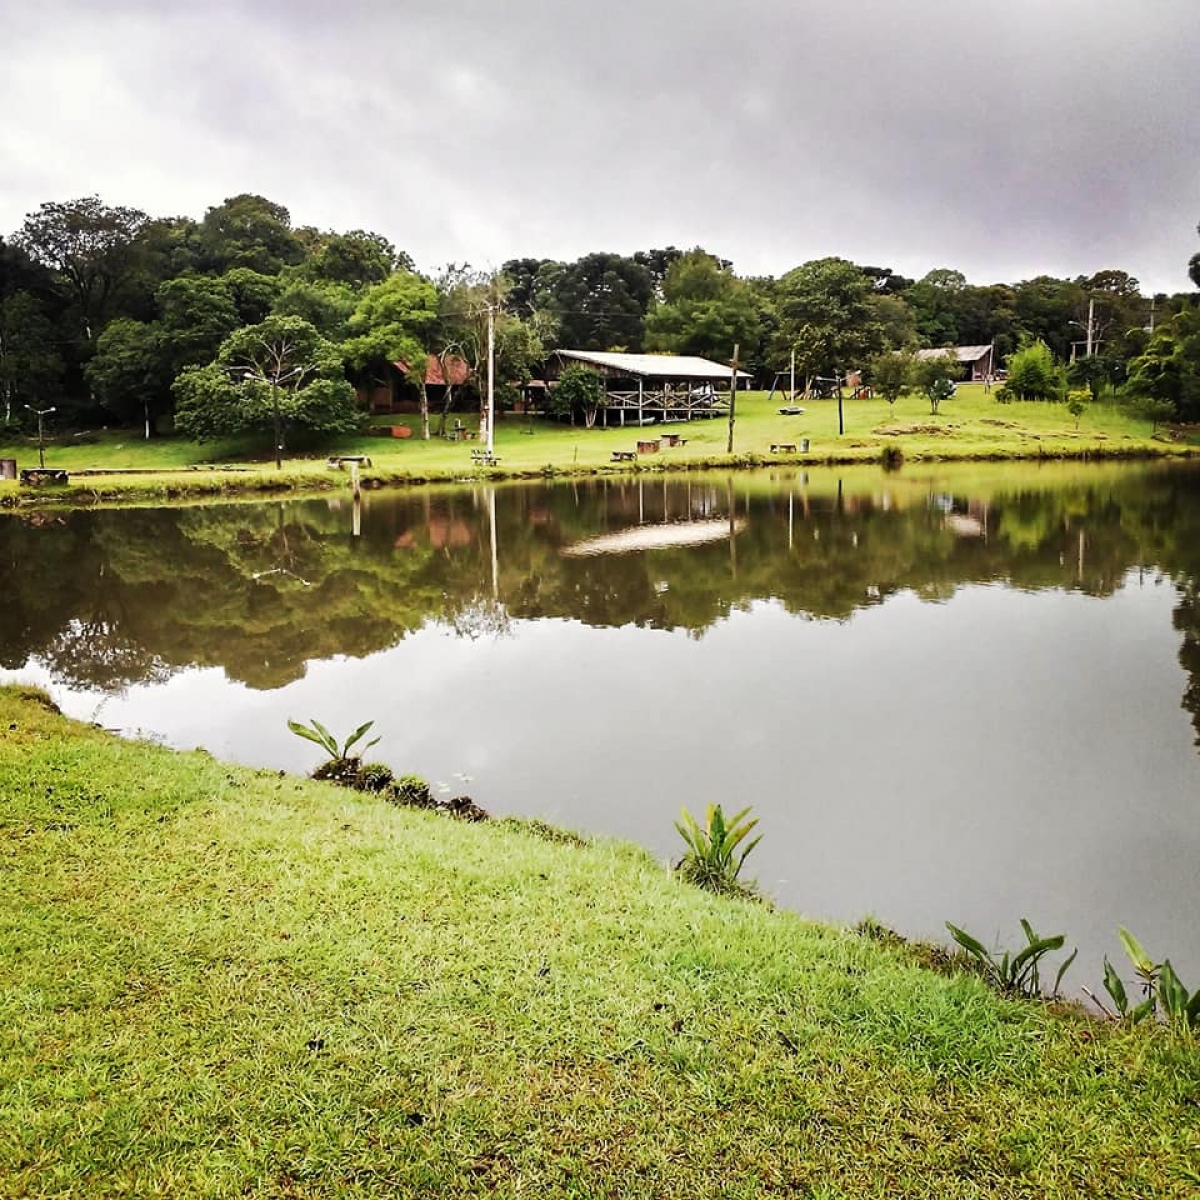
<point x="732" y="524"/>
<point x="495" y="554"/>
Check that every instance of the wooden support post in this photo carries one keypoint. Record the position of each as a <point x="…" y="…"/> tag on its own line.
<point x="732" y="397"/>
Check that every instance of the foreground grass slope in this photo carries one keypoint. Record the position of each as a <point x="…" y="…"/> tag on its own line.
<point x="217" y="982"/>
<point x="972" y="425"/>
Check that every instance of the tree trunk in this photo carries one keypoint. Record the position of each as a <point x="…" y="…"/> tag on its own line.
<point x="424" y="411"/>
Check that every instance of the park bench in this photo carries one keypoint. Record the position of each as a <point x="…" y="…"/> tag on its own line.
<point x="338" y="462"/>
<point x="623" y="456"/>
<point x="783" y="447"/>
<point x="484" y="458"/>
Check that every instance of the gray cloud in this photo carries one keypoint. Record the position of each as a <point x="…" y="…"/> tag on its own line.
<point x="1002" y="137"/>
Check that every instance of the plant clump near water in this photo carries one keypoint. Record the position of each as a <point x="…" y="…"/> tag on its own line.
<point x="712" y="859"/>
<point x="348" y="770"/>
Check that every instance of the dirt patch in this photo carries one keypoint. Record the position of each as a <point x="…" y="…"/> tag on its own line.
<point x="903" y="430"/>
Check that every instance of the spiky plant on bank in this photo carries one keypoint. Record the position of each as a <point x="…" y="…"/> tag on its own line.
<point x="712" y="860"/>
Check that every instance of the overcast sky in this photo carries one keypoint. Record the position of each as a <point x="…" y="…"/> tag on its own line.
<point x="1006" y="138"/>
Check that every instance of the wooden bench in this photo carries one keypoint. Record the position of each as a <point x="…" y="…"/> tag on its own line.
<point x="623" y="456"/>
<point x="36" y="476"/>
<point x="649" y="447"/>
<point x="338" y="462"/>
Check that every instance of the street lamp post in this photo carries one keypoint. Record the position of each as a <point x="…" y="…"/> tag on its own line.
<point x="41" y="414"/>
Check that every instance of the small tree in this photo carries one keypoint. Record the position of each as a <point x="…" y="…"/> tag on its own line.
<point x="1154" y="410"/>
<point x="579" y="390"/>
<point x="935" y="377"/>
<point x="1033" y="373"/>
<point x="1077" y="401"/>
<point x="891" y="374"/>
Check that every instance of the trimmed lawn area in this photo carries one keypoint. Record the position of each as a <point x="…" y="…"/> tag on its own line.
<point x="971" y="425"/>
<point x="218" y="982"/>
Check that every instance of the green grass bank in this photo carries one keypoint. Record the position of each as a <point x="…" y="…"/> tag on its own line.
<point x="223" y="982"/>
<point x="970" y="426"/>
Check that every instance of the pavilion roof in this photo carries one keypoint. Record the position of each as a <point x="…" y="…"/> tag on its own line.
<point x="652" y="366"/>
<point x="961" y="353"/>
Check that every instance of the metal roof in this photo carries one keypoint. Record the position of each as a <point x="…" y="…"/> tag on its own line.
<point x="653" y="366"/>
<point x="961" y="353"/>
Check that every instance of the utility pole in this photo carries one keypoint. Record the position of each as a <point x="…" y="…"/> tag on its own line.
<point x="792" y="393"/>
<point x="1090" y="324"/>
<point x="491" y="380"/>
<point x="732" y="396"/>
<point x="41" y="414"/>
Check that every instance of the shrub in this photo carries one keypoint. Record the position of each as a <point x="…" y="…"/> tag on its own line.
<point x="711" y="860"/>
<point x="374" y="777"/>
<point x="1033" y="374"/>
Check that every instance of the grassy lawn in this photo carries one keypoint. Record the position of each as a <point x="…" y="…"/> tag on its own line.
<point x="970" y="426"/>
<point x="219" y="982"/>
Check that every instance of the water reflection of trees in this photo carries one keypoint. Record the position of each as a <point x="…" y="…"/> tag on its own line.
<point x="106" y="599"/>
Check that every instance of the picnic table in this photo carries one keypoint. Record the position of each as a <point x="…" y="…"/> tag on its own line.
<point x="674" y="439"/>
<point x="783" y="447"/>
<point x="649" y="447"/>
<point x="623" y="456"/>
<point x="338" y="462"/>
<point x="484" y="458"/>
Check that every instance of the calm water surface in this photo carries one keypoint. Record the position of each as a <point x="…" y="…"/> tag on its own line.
<point x="949" y="693"/>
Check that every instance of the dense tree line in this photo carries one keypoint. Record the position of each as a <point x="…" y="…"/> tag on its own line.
<point x="241" y="319"/>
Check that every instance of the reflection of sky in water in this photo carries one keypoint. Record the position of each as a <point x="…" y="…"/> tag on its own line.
<point x="1003" y="754"/>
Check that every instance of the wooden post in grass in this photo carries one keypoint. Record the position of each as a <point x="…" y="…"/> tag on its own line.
<point x="732" y="396"/>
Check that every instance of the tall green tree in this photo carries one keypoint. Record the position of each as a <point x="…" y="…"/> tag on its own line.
<point x="131" y="371"/>
<point x="705" y="310"/>
<point x="91" y="246"/>
<point x="1169" y="368"/>
<point x="31" y="366"/>
<point x="598" y="302"/>
<point x="356" y="259"/>
<point x="250" y="231"/>
<point x="826" y="315"/>
<point x="271" y="376"/>
<point x="394" y="321"/>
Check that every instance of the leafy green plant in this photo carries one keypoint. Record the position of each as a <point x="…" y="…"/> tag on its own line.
<point x="1017" y="973"/>
<point x="712" y="859"/>
<point x="1077" y="401"/>
<point x="1161" y="986"/>
<point x="316" y="732"/>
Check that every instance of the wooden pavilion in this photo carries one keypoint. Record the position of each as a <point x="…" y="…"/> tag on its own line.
<point x="644" y="388"/>
<point x="979" y="362"/>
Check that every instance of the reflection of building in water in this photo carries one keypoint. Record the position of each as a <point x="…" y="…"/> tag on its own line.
<point x="655" y="537"/>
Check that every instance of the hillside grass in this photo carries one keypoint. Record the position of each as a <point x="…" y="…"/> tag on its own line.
<point x="217" y="982"/>
<point x="972" y="425"/>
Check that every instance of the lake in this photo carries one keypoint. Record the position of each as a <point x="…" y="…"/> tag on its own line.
<point x="966" y="693"/>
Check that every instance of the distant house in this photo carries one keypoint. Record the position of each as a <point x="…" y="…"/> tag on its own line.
<point x="979" y="361"/>
<point x="397" y="393"/>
